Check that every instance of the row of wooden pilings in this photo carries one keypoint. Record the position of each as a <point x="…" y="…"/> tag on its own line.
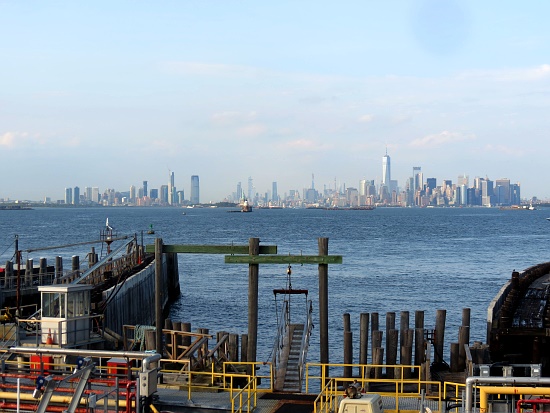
<point x="402" y="341"/>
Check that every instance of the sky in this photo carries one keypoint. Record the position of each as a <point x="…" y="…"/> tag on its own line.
<point x="111" y="93"/>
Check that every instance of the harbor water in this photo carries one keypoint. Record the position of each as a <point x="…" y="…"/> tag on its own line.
<point x="394" y="259"/>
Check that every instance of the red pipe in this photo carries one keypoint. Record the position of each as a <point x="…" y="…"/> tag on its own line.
<point x="130" y="396"/>
<point x="532" y="402"/>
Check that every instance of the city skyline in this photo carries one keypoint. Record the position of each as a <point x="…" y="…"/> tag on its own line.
<point x="227" y="91"/>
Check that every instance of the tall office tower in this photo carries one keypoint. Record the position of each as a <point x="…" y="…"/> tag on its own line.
<point x="239" y="192"/>
<point x="164" y="194"/>
<point x="249" y="192"/>
<point x="462" y="180"/>
<point x="514" y="194"/>
<point x="362" y="187"/>
<point x="503" y="191"/>
<point x="144" y="188"/>
<point x="431" y="183"/>
<point x="194" y="198"/>
<point x="486" y="192"/>
<point x="68" y="196"/>
<point x="171" y="190"/>
<point x="76" y="195"/>
<point x="154" y="194"/>
<point x="386" y="171"/>
<point x="95" y="194"/>
<point x="274" y="194"/>
<point x="132" y="193"/>
<point x="417" y="178"/>
<point x="464" y="194"/>
<point x="88" y="194"/>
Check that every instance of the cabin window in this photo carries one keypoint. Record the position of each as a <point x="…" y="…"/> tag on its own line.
<point x="53" y="305"/>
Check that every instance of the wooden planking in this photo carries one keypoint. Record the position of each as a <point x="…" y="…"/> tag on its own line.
<point x="283" y="259"/>
<point x="212" y="249"/>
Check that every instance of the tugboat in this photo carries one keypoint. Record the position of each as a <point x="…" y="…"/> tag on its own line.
<point x="246" y="207"/>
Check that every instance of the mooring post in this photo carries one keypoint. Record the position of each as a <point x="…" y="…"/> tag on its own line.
<point x="253" y="270"/>
<point x="440" y="316"/>
<point x="348" y="346"/>
<point x="323" y="303"/>
<point x="158" y="294"/>
<point x="363" y="337"/>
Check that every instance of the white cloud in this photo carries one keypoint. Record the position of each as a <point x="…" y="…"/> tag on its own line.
<point x="366" y="118"/>
<point x="443" y="137"/>
<point x="12" y="140"/>
<point x="233" y="116"/>
<point x="503" y="149"/>
<point x="252" y="131"/>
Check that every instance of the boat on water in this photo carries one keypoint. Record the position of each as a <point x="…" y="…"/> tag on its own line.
<point x="245" y="206"/>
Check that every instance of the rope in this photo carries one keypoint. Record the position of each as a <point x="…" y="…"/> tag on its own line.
<point x="139" y="335"/>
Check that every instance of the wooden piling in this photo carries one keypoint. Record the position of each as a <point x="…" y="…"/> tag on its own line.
<point x="233" y="347"/>
<point x="406" y="352"/>
<point x="253" y="273"/>
<point x="348" y="353"/>
<point x="28" y="272"/>
<point x="244" y="348"/>
<point x="403" y="326"/>
<point x="391" y="352"/>
<point x="43" y="270"/>
<point x="419" y="351"/>
<point x="454" y="357"/>
<point x="363" y="338"/>
<point x="439" y="338"/>
<point x="463" y="339"/>
<point x="378" y="361"/>
<point x="186" y="328"/>
<point x="58" y="266"/>
<point x="8" y="269"/>
<point x="390" y="325"/>
<point x="375" y="326"/>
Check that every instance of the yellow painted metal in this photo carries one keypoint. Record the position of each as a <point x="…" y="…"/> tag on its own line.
<point x="484" y="392"/>
<point x="55" y="399"/>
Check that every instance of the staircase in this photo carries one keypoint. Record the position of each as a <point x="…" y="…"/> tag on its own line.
<point x="288" y="370"/>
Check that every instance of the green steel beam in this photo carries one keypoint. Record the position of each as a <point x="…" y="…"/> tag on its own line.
<point x="283" y="259"/>
<point x="211" y="249"/>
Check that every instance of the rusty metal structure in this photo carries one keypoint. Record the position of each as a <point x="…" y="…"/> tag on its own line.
<point x="518" y="319"/>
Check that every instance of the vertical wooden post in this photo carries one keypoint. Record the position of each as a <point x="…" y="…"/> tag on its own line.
<point x="375" y="326"/>
<point x="391" y="352"/>
<point x="29" y="269"/>
<point x="42" y="270"/>
<point x="390" y="325"/>
<point x="186" y="328"/>
<point x="244" y="348"/>
<point x="233" y="346"/>
<point x="363" y="338"/>
<point x="348" y="346"/>
<point x="439" y="335"/>
<point x="58" y="266"/>
<point x="463" y="339"/>
<point x="323" y="303"/>
<point x="403" y="326"/>
<point x="418" y="337"/>
<point x="158" y="294"/>
<point x="253" y="271"/>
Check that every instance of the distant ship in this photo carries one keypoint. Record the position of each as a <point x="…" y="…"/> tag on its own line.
<point x="246" y="207"/>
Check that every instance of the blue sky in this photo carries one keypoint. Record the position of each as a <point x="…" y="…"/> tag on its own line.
<point x="109" y="94"/>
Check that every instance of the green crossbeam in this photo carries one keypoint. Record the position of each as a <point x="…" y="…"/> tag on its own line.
<point x="283" y="259"/>
<point x="211" y="249"/>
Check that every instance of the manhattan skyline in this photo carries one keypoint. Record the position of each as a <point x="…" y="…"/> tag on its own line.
<point x="106" y="94"/>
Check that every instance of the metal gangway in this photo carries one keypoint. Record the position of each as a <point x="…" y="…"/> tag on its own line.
<point x="292" y="341"/>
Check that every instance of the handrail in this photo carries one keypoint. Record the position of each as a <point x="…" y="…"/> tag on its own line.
<point x="305" y="344"/>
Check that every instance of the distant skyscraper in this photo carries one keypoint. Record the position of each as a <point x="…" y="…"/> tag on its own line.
<point x="154" y="194"/>
<point x="250" y="188"/>
<point x="171" y="190"/>
<point x="88" y="194"/>
<point x="417" y="179"/>
<point x="164" y="194"/>
<point x="503" y="191"/>
<point x="132" y="193"/>
<point x="194" y="198"/>
<point x="95" y="194"/>
<point x="76" y="195"/>
<point x="386" y="171"/>
<point x="145" y="193"/>
<point x="68" y="196"/>
<point x="463" y="180"/>
<point x="274" y="194"/>
<point x="239" y="191"/>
